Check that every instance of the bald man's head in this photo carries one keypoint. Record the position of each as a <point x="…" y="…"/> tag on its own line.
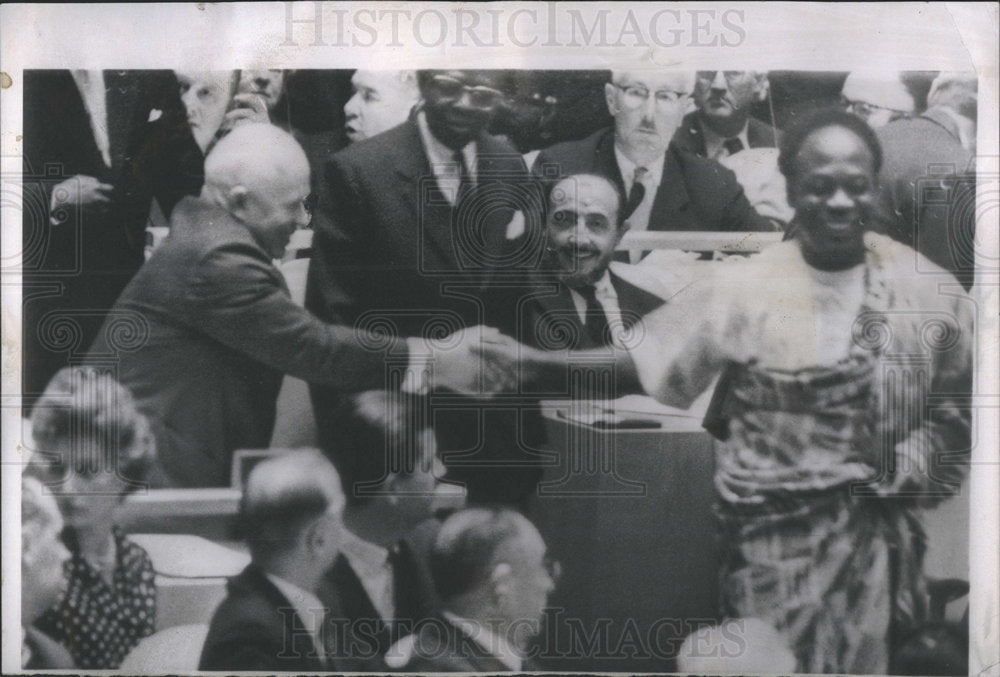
<point x="260" y="175"/>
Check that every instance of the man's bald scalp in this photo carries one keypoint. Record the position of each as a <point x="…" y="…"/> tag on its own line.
<point x="254" y="153"/>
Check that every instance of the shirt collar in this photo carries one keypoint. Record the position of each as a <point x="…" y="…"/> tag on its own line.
<point x="714" y="140"/>
<point x="494" y="644"/>
<point x="307" y="605"/>
<point x="363" y="555"/>
<point x="438" y="154"/>
<point x="627" y="168"/>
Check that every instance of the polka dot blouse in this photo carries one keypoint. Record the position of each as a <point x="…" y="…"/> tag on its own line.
<point x="98" y="623"/>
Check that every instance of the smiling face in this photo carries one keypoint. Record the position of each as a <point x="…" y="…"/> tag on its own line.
<point x="583" y="228"/>
<point x="382" y="100"/>
<point x="276" y="209"/>
<point x="647" y="108"/>
<point x="459" y="105"/>
<point x="833" y="192"/>
<point x="725" y="97"/>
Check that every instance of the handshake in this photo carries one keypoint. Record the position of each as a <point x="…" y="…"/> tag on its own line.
<point x="476" y="361"/>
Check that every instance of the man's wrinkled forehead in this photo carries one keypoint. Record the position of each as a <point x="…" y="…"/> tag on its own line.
<point x="654" y="80"/>
<point x="585" y="194"/>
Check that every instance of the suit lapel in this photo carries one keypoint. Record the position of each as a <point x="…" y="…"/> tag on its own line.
<point x="555" y="309"/>
<point x="634" y="302"/>
<point x="605" y="162"/>
<point x="429" y="233"/>
<point x="670" y="209"/>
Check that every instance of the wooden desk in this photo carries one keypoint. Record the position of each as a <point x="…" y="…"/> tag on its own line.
<point x="628" y="514"/>
<point x="210" y="513"/>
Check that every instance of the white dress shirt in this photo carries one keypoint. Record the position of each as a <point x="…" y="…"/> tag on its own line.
<point x="714" y="142"/>
<point x="442" y="160"/>
<point x="94" y="94"/>
<point x="308" y="607"/>
<point x="494" y="644"/>
<point x="607" y="297"/>
<point x="639" y="219"/>
<point x="371" y="563"/>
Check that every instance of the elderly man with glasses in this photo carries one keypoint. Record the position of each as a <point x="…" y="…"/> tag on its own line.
<point x="666" y="188"/>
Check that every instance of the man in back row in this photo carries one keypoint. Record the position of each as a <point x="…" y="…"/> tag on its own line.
<point x="666" y="187"/>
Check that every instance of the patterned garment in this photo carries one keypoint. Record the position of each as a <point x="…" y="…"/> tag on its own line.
<point x="847" y="388"/>
<point x="98" y="623"/>
<point x="836" y="573"/>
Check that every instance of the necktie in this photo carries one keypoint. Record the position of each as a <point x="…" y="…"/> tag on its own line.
<point x="637" y="192"/>
<point x="637" y="210"/>
<point x="595" y="324"/>
<point x="465" y="180"/>
<point x="733" y="145"/>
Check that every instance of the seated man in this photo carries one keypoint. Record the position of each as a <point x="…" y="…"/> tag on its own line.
<point x="667" y="188"/>
<point x="723" y="129"/>
<point x="380" y="584"/>
<point x="271" y="619"/>
<point x="722" y="125"/>
<point x="206" y="329"/>
<point x="42" y="558"/>
<point x="492" y="574"/>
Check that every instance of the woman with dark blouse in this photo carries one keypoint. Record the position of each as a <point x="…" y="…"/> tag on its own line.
<point x="102" y="448"/>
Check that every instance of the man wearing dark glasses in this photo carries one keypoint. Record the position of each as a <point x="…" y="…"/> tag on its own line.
<point x="415" y="227"/>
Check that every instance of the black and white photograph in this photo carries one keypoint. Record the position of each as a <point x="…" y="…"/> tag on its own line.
<point x="492" y="338"/>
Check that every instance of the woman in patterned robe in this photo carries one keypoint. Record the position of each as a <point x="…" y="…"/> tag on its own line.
<point x="104" y="447"/>
<point x="848" y="372"/>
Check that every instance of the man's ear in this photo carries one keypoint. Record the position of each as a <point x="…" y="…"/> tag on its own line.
<point x="238" y="201"/>
<point x="762" y="86"/>
<point x="501" y="579"/>
<point x="609" y="97"/>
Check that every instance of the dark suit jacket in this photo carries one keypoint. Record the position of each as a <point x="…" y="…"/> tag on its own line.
<point x="440" y="646"/>
<point x="94" y="252"/>
<point x="695" y="193"/>
<point x="364" y="637"/>
<point x="256" y="628"/>
<point x="390" y="250"/>
<point x="689" y="135"/>
<point x="929" y="190"/>
<point x="549" y="320"/>
<point x="214" y="329"/>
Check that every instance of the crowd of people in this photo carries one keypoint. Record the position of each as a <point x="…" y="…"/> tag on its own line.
<point x="453" y="275"/>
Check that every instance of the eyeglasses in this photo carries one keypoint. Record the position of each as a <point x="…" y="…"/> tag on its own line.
<point x="635" y="96"/>
<point x="452" y="90"/>
<point x="730" y="76"/>
<point x="864" y="109"/>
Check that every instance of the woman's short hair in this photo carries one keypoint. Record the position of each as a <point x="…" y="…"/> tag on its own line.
<point x="801" y="129"/>
<point x="97" y="416"/>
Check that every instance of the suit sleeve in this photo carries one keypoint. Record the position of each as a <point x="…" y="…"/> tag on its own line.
<point x="239" y="300"/>
<point x="738" y="214"/>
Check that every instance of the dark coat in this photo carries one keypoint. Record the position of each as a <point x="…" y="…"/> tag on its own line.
<point x="364" y="637"/>
<point x="75" y="270"/>
<point x="689" y="135"/>
<point x="390" y="251"/>
<point x="695" y="193"/>
<point x="256" y="628"/>
<point x="214" y="330"/>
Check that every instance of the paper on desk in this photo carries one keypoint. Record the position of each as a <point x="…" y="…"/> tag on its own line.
<point x="189" y="556"/>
